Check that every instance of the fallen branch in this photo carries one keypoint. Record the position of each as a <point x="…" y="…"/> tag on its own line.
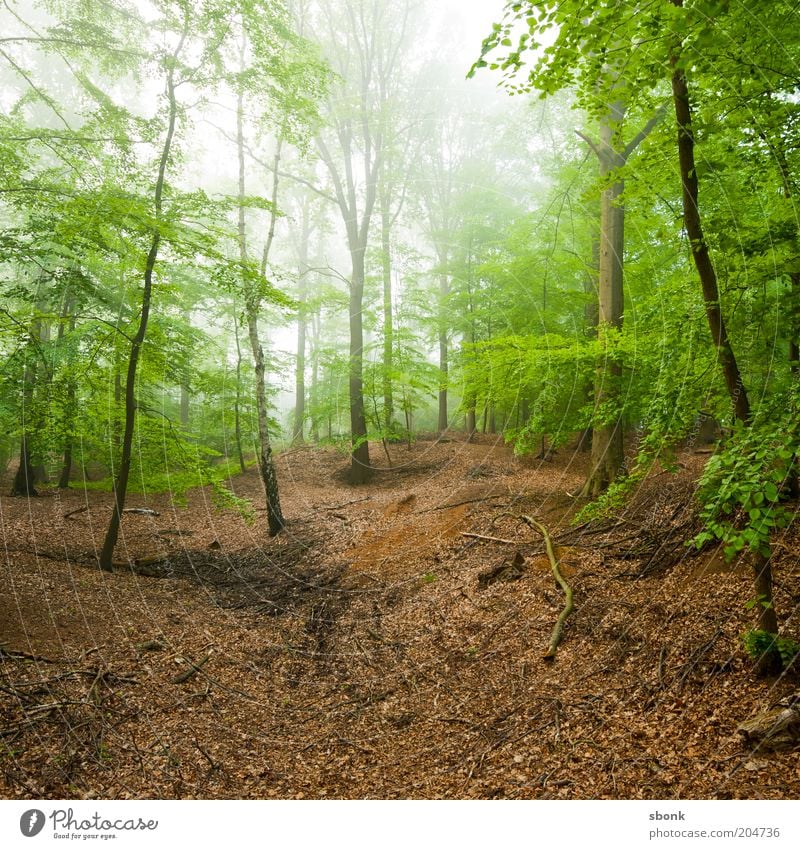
<point x="76" y="511"/>
<point x="491" y="539"/>
<point x="193" y="669"/>
<point x="558" y="628"/>
<point x="461" y="503"/>
<point x="345" y="504"/>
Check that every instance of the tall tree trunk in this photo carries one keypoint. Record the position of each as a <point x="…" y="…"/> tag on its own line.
<point x="266" y="466"/>
<point x="302" y="330"/>
<point x="360" y="469"/>
<point x="471" y="423"/>
<point x="767" y="615"/>
<point x="184" y="405"/>
<point x="388" y="326"/>
<point x="121" y="483"/>
<point x="591" y="318"/>
<point x="24" y="482"/>
<point x="699" y="247"/>
<point x="69" y="407"/>
<point x="237" y="401"/>
<point x="314" y="391"/>
<point x="444" y="291"/>
<point x="607" y="442"/>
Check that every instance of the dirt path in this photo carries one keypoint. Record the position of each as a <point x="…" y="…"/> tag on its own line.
<point x="360" y="655"/>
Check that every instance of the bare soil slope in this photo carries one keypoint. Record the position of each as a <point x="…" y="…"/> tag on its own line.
<point x="376" y="650"/>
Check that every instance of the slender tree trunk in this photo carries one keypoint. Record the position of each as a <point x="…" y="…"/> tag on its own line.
<point x="700" y="252"/>
<point x="444" y="291"/>
<point x="121" y="483"/>
<point x="767" y="616"/>
<point x="266" y="466"/>
<point x="388" y="326"/>
<point x="184" y="405"/>
<point x="314" y="392"/>
<point x="237" y="401"/>
<point x="302" y="332"/>
<point x="591" y="318"/>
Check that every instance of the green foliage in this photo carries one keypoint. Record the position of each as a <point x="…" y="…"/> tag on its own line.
<point x="759" y="643"/>
<point x="742" y="485"/>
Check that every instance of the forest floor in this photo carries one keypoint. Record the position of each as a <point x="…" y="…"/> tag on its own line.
<point x="373" y="650"/>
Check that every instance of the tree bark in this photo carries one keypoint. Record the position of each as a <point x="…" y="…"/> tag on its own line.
<point x="767" y="617"/>
<point x="237" y="401"/>
<point x="444" y="291"/>
<point x="70" y="406"/>
<point x="24" y="482"/>
<point x="699" y="246"/>
<point x="360" y="470"/>
<point x="266" y="466"/>
<point x="607" y="444"/>
<point x="121" y="483"/>
<point x="591" y="318"/>
<point x="388" y="326"/>
<point x="302" y="331"/>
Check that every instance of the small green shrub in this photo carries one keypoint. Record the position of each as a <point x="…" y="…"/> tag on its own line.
<point x="758" y="643"/>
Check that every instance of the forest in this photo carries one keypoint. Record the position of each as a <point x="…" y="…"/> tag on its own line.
<point x="399" y="399"/>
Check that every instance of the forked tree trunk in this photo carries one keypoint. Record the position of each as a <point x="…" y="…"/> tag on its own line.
<point x="607" y="443"/>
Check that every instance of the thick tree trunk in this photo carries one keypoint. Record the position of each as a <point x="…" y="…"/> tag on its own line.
<point x="24" y="482"/>
<point x="360" y="470"/>
<point x="70" y="406"/>
<point x="607" y="442"/>
<point x="24" y="479"/>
